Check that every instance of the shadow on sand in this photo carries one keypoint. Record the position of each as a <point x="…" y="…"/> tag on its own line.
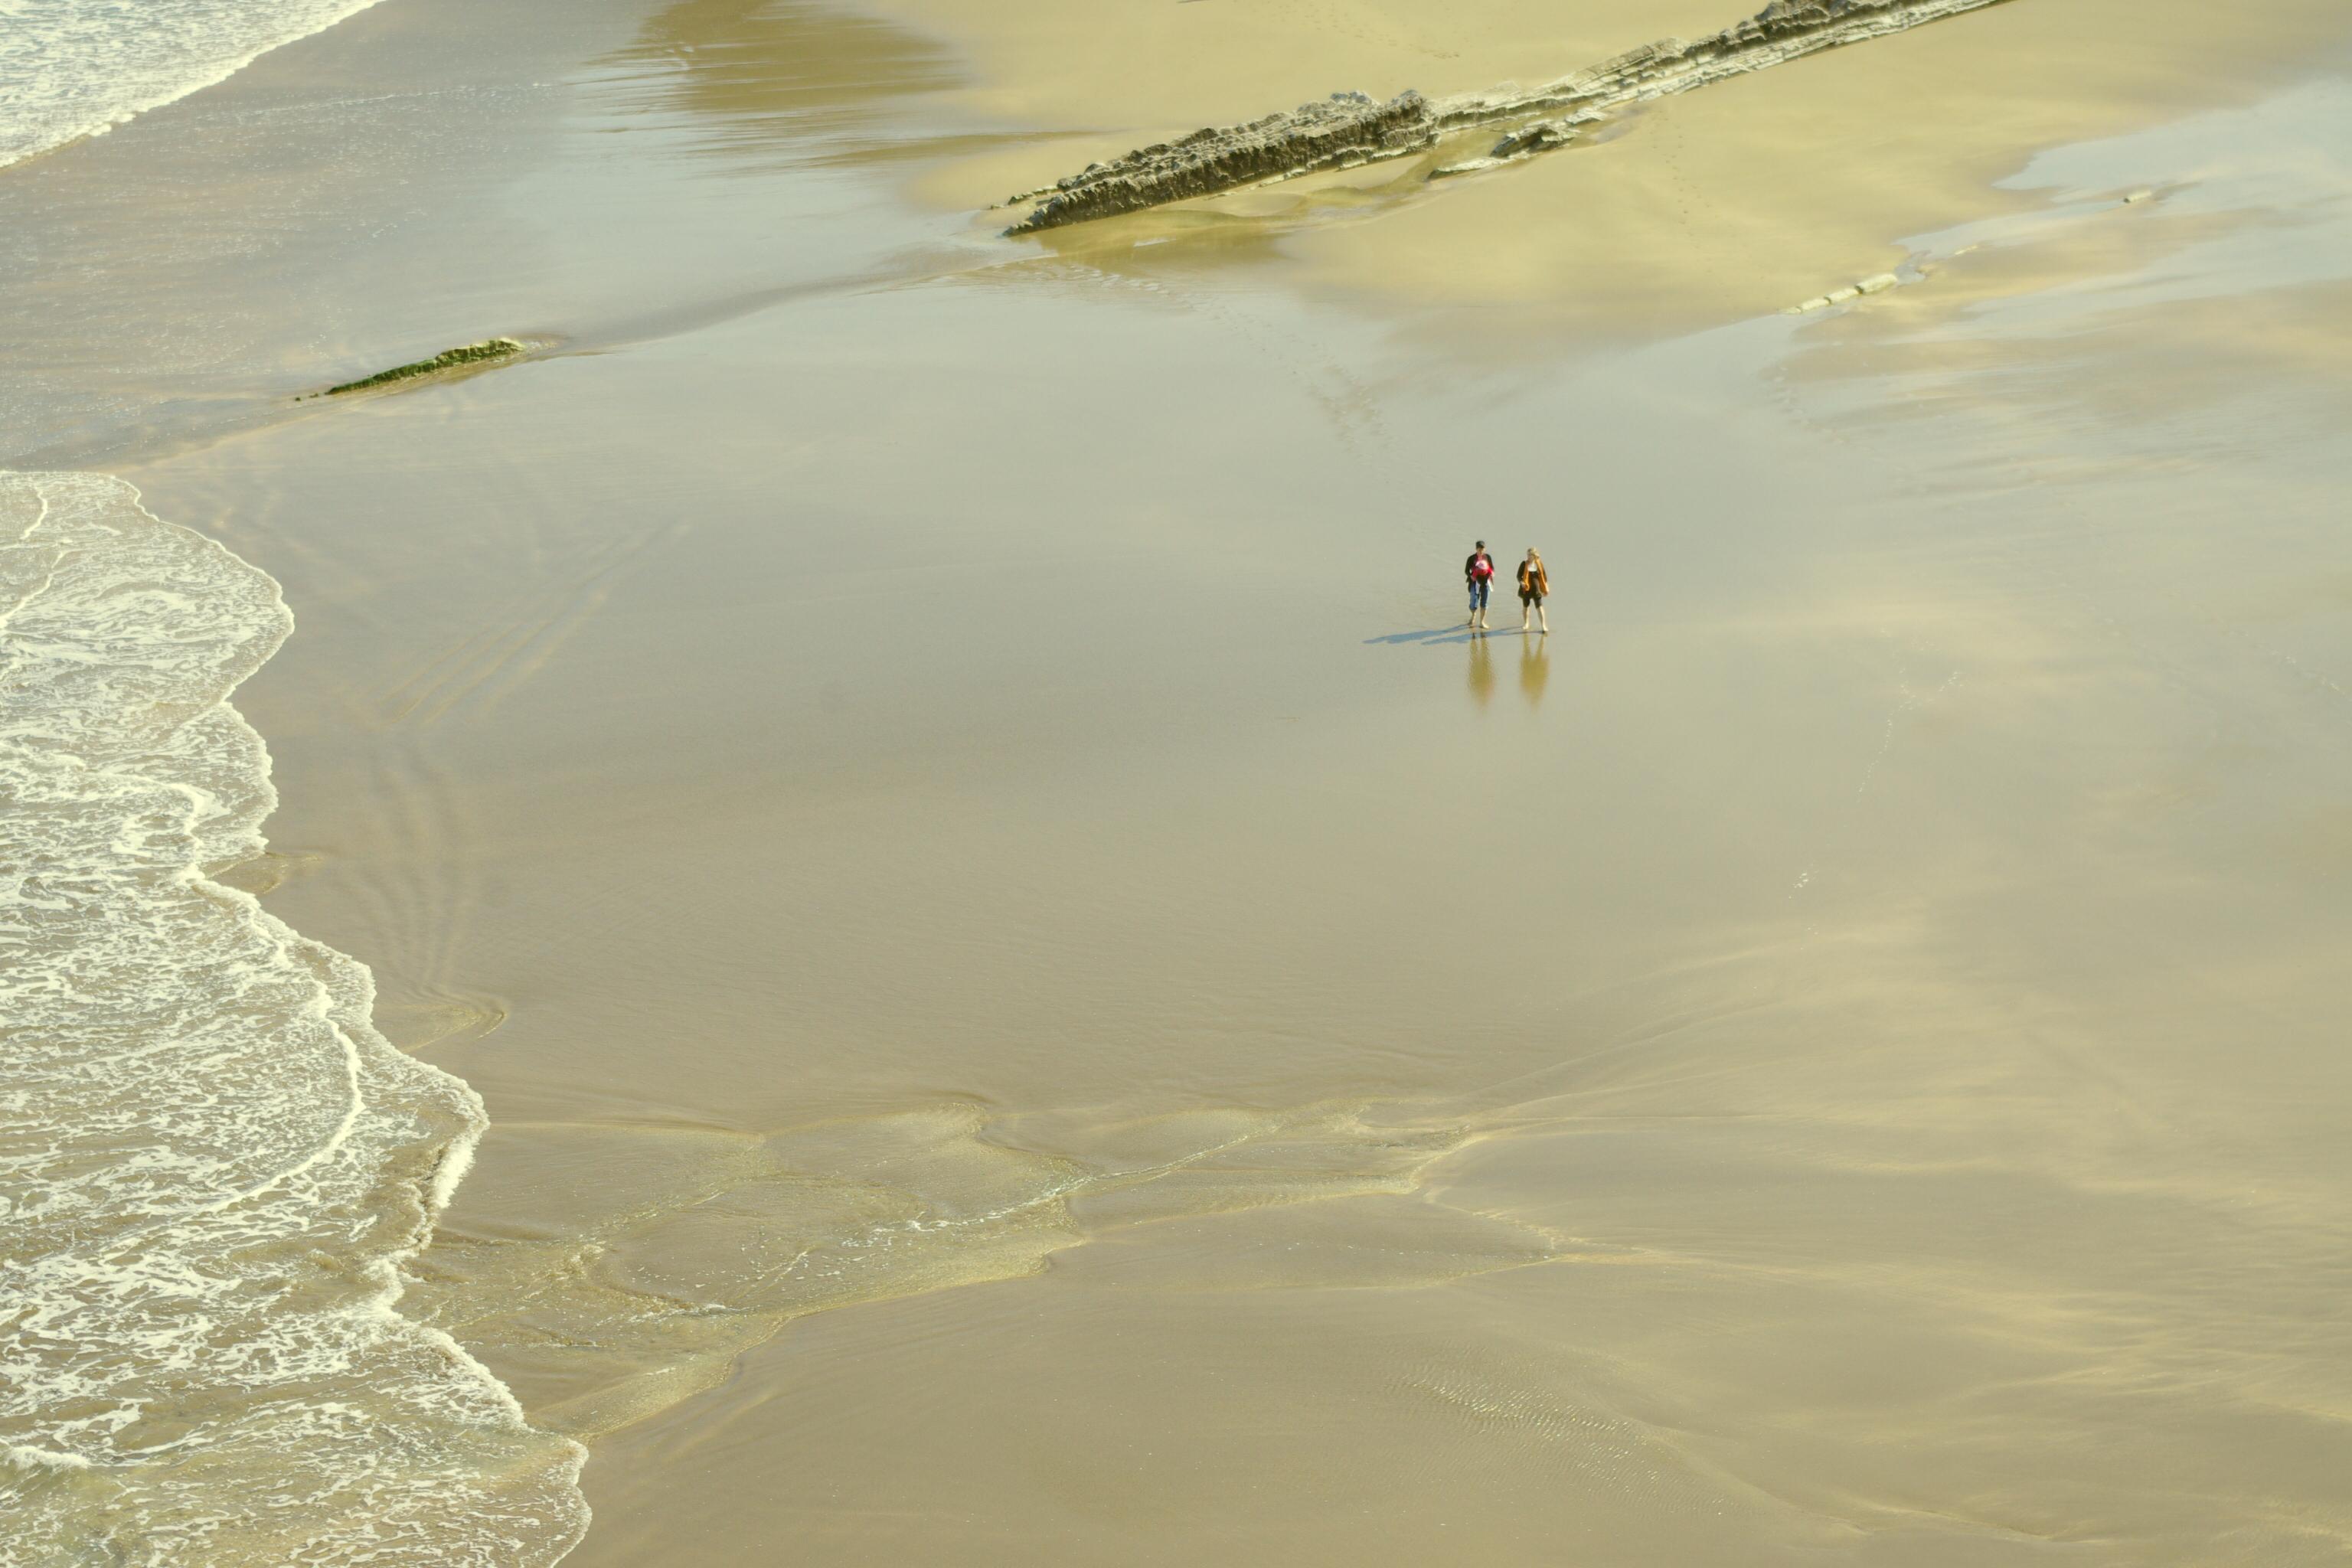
<point x="1435" y="634"/>
<point x="1438" y="635"/>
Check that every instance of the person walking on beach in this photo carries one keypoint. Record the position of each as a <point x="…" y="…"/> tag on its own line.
<point x="1479" y="571"/>
<point x="1533" y="586"/>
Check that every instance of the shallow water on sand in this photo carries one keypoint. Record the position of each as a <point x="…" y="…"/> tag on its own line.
<point x="1039" y="998"/>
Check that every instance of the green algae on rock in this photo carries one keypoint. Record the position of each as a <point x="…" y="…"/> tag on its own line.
<point x="447" y="359"/>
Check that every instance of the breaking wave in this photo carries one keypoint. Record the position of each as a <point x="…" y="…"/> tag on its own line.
<point x="211" y="1163"/>
<point x="70" y="68"/>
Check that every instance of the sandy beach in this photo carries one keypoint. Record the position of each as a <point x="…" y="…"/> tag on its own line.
<point x="1037" y="996"/>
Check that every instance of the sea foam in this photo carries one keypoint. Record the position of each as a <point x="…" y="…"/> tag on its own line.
<point x="70" y="68"/>
<point x="211" y="1163"/>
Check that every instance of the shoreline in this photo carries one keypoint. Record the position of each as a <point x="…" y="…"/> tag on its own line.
<point x="191" y="1216"/>
<point x="187" y="76"/>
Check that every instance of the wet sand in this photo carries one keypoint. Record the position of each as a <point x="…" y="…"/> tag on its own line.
<point x="1040" y="1001"/>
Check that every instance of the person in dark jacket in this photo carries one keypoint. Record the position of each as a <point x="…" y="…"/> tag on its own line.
<point x="1533" y="586"/>
<point x="1479" y="573"/>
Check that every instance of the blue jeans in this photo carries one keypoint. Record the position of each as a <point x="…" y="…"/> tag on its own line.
<point x="1478" y="587"/>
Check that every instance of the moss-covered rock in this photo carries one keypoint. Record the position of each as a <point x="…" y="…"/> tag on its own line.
<point x="447" y="359"/>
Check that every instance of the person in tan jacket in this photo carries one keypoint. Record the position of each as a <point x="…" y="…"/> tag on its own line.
<point x="1533" y="586"/>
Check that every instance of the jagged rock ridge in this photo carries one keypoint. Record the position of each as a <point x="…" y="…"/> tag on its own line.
<point x="1344" y="129"/>
<point x="1350" y="127"/>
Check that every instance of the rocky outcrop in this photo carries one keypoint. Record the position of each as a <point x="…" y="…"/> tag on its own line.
<point x="1877" y="283"/>
<point x="1349" y="127"/>
<point x="447" y="359"/>
<point x="1345" y="129"/>
<point x="1543" y="136"/>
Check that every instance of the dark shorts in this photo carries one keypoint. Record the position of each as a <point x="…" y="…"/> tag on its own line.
<point x="1529" y="596"/>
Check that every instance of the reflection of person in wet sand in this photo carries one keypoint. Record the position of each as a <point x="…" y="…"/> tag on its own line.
<point x="1479" y="573"/>
<point x="1482" y="672"/>
<point x="1533" y="586"/>
<point x="1535" y="667"/>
